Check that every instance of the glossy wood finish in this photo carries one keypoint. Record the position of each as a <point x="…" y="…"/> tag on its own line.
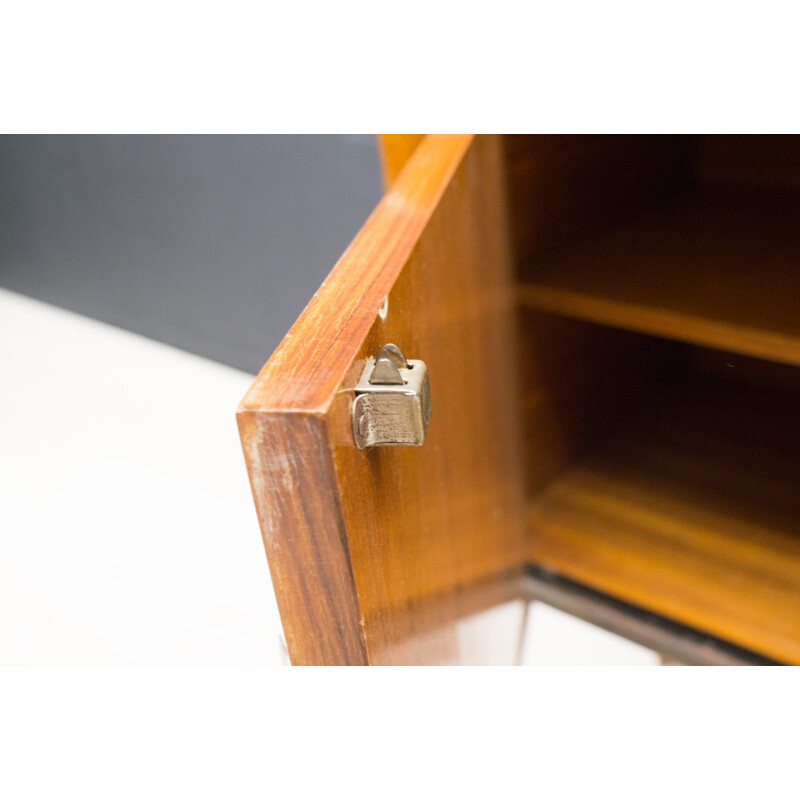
<point x="379" y="556"/>
<point x="718" y="269"/>
<point x="692" y="512"/>
<point x="396" y="149"/>
<point x="579" y="381"/>
<point x="651" y="476"/>
<point x="665" y="636"/>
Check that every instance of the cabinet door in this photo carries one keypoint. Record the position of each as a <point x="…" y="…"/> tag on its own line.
<point x="392" y="555"/>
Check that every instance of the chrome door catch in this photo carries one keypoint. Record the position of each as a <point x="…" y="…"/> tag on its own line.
<point x="392" y="405"/>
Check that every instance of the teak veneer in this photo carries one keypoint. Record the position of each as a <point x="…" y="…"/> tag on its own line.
<point x="612" y="332"/>
<point x="691" y="510"/>
<point x="376" y="555"/>
<point x="718" y="269"/>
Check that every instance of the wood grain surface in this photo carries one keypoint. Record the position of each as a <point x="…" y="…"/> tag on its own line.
<point x="691" y="511"/>
<point x="381" y="556"/>
<point x="395" y="150"/>
<point x="719" y="268"/>
<point x="659" y="473"/>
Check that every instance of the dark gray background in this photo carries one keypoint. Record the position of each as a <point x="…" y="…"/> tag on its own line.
<point x="210" y="243"/>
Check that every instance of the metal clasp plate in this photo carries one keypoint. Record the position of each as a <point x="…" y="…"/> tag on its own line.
<point x="392" y="405"/>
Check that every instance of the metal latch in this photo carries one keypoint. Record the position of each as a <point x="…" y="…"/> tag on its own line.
<point x="393" y="401"/>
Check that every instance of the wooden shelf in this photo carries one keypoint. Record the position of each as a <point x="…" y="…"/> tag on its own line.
<point x="720" y="269"/>
<point x="693" y="512"/>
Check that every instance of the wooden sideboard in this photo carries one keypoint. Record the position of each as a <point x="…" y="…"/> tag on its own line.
<point x="611" y="326"/>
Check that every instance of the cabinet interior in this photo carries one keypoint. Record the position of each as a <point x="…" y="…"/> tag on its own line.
<point x="658" y="280"/>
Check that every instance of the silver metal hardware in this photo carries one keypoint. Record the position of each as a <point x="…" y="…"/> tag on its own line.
<point x="393" y="401"/>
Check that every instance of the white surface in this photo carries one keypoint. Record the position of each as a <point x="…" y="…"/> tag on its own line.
<point x="555" y="639"/>
<point x="127" y="529"/>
